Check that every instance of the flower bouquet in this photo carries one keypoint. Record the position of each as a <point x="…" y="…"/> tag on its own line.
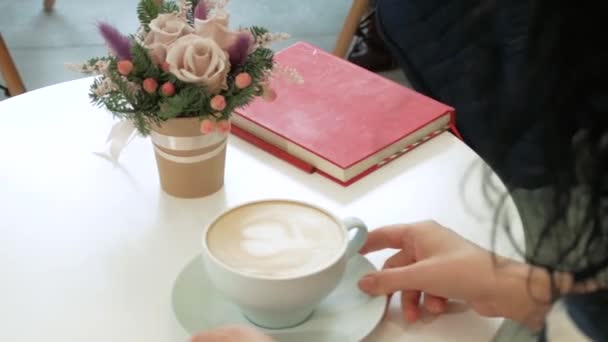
<point x="179" y="79"/>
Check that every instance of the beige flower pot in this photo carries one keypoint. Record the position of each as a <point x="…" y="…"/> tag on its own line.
<point x="190" y="164"/>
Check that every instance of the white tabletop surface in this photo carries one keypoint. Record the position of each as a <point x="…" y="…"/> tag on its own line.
<point x="89" y="251"/>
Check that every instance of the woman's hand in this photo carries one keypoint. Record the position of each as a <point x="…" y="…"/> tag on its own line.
<point x="232" y="334"/>
<point x="435" y="261"/>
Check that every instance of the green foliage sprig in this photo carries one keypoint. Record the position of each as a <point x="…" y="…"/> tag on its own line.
<point x="147" y="10"/>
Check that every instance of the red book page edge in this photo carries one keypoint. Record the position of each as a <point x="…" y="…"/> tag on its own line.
<point x="449" y="111"/>
<point x="279" y="153"/>
<point x="302" y="165"/>
<point x="388" y="160"/>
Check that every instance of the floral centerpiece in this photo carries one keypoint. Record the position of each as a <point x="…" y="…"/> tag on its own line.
<point x="179" y="78"/>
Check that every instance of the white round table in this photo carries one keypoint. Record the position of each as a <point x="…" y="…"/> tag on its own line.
<point x="89" y="250"/>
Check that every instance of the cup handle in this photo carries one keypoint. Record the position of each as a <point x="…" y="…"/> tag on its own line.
<point x="355" y="244"/>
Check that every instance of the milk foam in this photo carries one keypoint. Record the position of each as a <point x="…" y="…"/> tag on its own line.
<point x="276" y="239"/>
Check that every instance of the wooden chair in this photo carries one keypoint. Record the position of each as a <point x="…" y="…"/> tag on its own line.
<point x="48" y="5"/>
<point x="9" y="71"/>
<point x="345" y="38"/>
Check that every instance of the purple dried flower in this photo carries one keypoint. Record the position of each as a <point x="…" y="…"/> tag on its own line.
<point x="240" y="49"/>
<point x="201" y="10"/>
<point x="120" y="44"/>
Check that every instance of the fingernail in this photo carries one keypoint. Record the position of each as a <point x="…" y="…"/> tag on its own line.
<point x="367" y="284"/>
<point x="436" y="308"/>
<point x="411" y="316"/>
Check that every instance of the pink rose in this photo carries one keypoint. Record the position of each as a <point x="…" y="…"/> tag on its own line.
<point x="216" y="28"/>
<point x="194" y="59"/>
<point x="158" y="53"/>
<point x="166" y="29"/>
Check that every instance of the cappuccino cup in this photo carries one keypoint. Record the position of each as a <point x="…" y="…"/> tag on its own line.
<point x="278" y="259"/>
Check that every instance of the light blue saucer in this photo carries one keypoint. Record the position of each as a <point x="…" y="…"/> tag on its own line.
<point x="346" y="315"/>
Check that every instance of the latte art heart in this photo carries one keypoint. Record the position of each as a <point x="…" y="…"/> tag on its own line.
<point x="279" y="239"/>
<point x="273" y="237"/>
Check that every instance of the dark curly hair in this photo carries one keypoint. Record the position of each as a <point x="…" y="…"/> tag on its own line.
<point x="564" y="86"/>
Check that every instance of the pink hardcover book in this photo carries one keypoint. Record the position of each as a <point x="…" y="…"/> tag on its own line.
<point x="343" y="121"/>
